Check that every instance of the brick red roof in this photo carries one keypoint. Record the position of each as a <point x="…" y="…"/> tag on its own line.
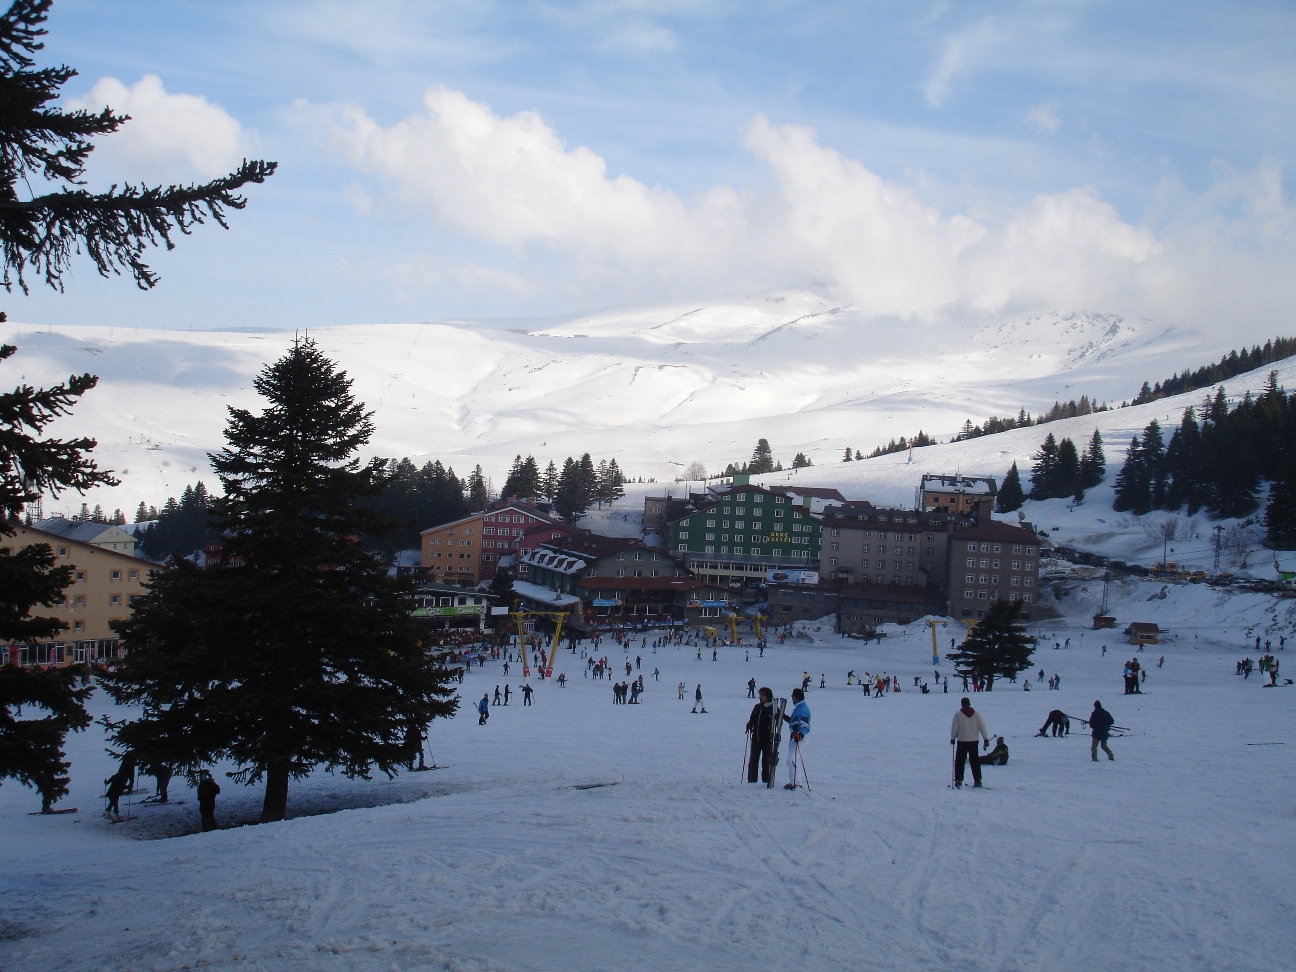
<point x="994" y="530"/>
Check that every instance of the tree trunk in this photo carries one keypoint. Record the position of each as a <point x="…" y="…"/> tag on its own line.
<point x="275" y="806"/>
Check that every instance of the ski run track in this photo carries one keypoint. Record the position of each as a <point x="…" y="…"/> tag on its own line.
<point x="1177" y="856"/>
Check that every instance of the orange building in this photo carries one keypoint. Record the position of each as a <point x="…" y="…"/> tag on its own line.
<point x="468" y="550"/>
<point x="105" y="583"/>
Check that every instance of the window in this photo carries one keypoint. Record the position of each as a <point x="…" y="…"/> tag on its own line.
<point x="491" y="543"/>
<point x="710" y="549"/>
<point x="971" y="561"/>
<point x="1012" y="595"/>
<point x="995" y="565"/>
<point x="115" y="599"/>
<point x="62" y="551"/>
<point x="683" y="546"/>
<point x="897" y="566"/>
<point x="1030" y="565"/>
<point x="489" y="531"/>
<point x="79" y="600"/>
<point x="931" y="538"/>
<point x="834" y="546"/>
<point x="519" y="519"/>
<point x="909" y="566"/>
<point x="683" y="535"/>
<point x="778" y="513"/>
<point x="833" y="562"/>
<point x="638" y="555"/>
<point x="710" y="523"/>
<point x="80" y="575"/>
<point x="738" y="537"/>
<point x="1026" y="597"/>
<point x="1016" y="565"/>
<point x="620" y="555"/>
<point x="133" y="575"/>
<point x="911" y="551"/>
<point x="985" y="548"/>
<point x="758" y="498"/>
<point x="1028" y="582"/>
<point x="969" y="578"/>
<point x="1017" y="548"/>
<point x="983" y="595"/>
<point x="739" y="511"/>
<point x="985" y="562"/>
<point x="927" y="551"/>
<point x="836" y="533"/>
<point x="881" y="565"/>
<point x="725" y="511"/>
<point x="864" y="549"/>
<point x="866" y="534"/>
<point x="779" y="499"/>
<point x="1016" y="582"/>
<point x="985" y="579"/>
<point x="116" y="575"/>
<point x="994" y="579"/>
<point x="710" y="536"/>
<point x="468" y="531"/>
<point x="1030" y="551"/>
<point x="78" y="625"/>
<point x="972" y="547"/>
<point x="996" y="548"/>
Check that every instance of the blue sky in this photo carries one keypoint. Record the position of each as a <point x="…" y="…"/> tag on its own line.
<point x="528" y="159"/>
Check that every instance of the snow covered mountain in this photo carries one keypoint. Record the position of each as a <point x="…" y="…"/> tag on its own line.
<point x="658" y="387"/>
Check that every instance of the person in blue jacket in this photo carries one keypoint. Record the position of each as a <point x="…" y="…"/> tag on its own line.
<point x="483" y="709"/>
<point x="799" y="724"/>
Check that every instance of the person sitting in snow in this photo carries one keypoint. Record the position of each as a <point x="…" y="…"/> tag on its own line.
<point x="997" y="756"/>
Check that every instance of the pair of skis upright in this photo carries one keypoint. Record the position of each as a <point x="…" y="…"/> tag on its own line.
<point x="776" y="737"/>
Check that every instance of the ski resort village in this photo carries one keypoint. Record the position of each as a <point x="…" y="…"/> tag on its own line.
<point x="646" y="486"/>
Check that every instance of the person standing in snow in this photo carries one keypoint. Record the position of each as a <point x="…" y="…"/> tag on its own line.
<point x="697" y="700"/>
<point x="526" y="693"/>
<point x="116" y="787"/>
<point x="497" y="695"/>
<point x="760" y="726"/>
<point x="799" y="723"/>
<point x="963" y="734"/>
<point x="483" y="710"/>
<point x="1100" y="723"/>
<point x="682" y="689"/>
<point x="207" y="791"/>
<point x="751" y="688"/>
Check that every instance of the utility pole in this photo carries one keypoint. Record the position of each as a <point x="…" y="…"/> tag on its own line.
<point x="1219" y="530"/>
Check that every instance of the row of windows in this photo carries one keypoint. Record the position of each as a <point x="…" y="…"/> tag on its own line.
<point x="753" y="552"/>
<point x="503" y="518"/>
<point x="114" y="600"/>
<point x="502" y="531"/>
<point x="987" y="562"/>
<point x="994" y="579"/>
<point x="983" y="595"/>
<point x="997" y="547"/>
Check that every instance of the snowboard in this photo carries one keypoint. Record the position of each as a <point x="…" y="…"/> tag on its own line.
<point x="780" y="705"/>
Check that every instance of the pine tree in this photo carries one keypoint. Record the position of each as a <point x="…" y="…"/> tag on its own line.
<point x="299" y="651"/>
<point x="1153" y="448"/>
<point x="1133" y="486"/>
<point x="1011" y="497"/>
<point x="549" y="481"/>
<point x="800" y="461"/>
<point x="1044" y="474"/>
<point x="51" y="706"/>
<point x="1067" y="480"/>
<point x="997" y="647"/>
<point x="567" y="494"/>
<point x="46" y="146"/>
<point x="858" y="455"/>
<point x="1093" y="464"/>
<point x="141" y="513"/>
<point x="611" y="482"/>
<point x="849" y="456"/>
<point x="501" y="586"/>
<point x="762" y="460"/>
<point x="478" y="494"/>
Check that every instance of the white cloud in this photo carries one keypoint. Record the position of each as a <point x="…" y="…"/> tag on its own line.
<point x="168" y="135"/>
<point x="1044" y="117"/>
<point x="963" y="51"/>
<point x="828" y="222"/>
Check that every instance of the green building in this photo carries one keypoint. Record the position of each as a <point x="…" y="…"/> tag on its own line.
<point x="736" y="537"/>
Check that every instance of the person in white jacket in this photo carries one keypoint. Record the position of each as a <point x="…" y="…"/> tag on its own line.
<point x="963" y="732"/>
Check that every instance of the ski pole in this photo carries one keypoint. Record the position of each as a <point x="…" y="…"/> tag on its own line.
<point x="746" y="748"/>
<point x="804" y="775"/>
<point x="953" y="763"/>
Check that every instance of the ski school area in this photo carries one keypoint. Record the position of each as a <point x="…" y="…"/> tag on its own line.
<point x="576" y="833"/>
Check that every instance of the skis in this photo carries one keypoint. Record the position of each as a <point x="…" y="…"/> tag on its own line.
<point x="55" y="813"/>
<point x="776" y="736"/>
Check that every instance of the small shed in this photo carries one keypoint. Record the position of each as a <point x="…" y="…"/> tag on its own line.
<point x="1143" y="633"/>
<point x="1103" y="621"/>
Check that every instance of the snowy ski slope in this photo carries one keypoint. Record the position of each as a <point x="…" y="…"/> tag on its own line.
<point x="658" y="387"/>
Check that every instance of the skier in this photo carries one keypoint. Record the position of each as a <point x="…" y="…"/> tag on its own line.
<point x="116" y="787"/>
<point x="1100" y="722"/>
<point x="483" y="710"/>
<point x="715" y="654"/>
<point x="751" y="688"/>
<point x="805" y="681"/>
<point x="414" y="738"/>
<point x="966" y="725"/>
<point x="562" y="679"/>
<point x="207" y="790"/>
<point x="682" y="689"/>
<point x="760" y="727"/>
<point x="497" y="695"/>
<point x="799" y="723"/>
<point x="1059" y="721"/>
<point x="997" y="756"/>
<point x="526" y="693"/>
<point x="656" y="674"/>
<point x="638" y="661"/>
<point x="822" y="682"/>
<point x="163" y="776"/>
<point x="697" y="700"/>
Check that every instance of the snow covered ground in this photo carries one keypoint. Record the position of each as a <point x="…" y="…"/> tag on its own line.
<point x="1176" y="856"/>
<point x="657" y="386"/>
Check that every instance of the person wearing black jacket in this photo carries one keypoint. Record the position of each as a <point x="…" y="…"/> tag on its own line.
<point x="207" y="791"/>
<point x="760" y="726"/>
<point x="1100" y="722"/>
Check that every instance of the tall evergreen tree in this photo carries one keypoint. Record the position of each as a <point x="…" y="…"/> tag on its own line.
<point x="1011" y="497"/>
<point x="1044" y="473"/>
<point x="38" y="708"/>
<point x="44" y="146"/>
<point x="182" y="528"/>
<point x="997" y="647"/>
<point x="801" y="461"/>
<point x="567" y="494"/>
<point x="1153" y="450"/>
<point x="1131" y="487"/>
<point x="1067" y="478"/>
<point x="1093" y="463"/>
<point x="549" y="481"/>
<point x="762" y="460"/>
<point x="849" y="455"/>
<point x="478" y="492"/>
<point x="300" y="650"/>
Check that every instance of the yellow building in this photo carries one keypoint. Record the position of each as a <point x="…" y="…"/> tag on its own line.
<point x="105" y="584"/>
<point x="469" y="550"/>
